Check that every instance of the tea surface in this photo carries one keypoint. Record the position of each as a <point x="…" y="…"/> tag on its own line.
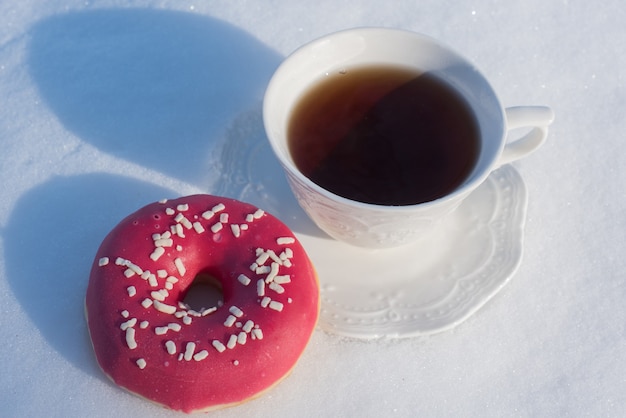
<point x="384" y="135"/>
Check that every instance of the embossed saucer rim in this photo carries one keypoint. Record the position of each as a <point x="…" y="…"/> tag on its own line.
<point x="396" y="308"/>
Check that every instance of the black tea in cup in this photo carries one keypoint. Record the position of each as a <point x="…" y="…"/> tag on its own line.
<point x="384" y="135"/>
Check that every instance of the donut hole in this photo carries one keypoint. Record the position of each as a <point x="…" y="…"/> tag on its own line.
<point x="205" y="292"/>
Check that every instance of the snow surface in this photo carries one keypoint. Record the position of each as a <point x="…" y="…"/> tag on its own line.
<point x="106" y="106"/>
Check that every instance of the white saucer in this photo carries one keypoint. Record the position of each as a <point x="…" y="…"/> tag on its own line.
<point x="423" y="288"/>
<point x="432" y="285"/>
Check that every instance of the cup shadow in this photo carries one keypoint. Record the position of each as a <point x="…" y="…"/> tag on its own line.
<point x="51" y="238"/>
<point x="252" y="173"/>
<point x="154" y="87"/>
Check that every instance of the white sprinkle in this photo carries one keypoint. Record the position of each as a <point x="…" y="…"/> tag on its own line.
<point x="258" y="334"/>
<point x="277" y="306"/>
<point x="171" y="347"/>
<point x="157" y="296"/>
<point x="208" y="311"/>
<point x="169" y="211"/>
<point x="182" y="208"/>
<point x="216" y="227"/>
<point x="182" y="219"/>
<point x="238" y="324"/>
<point x="189" y="350"/>
<point x="128" y="324"/>
<point x="244" y="227"/>
<point x="260" y="287"/>
<point x="163" y="201"/>
<point x="174" y="326"/>
<point x="178" y="230"/>
<point x="287" y="263"/>
<point x="130" y="338"/>
<point x="180" y="314"/>
<point x="236" y="229"/>
<point x="230" y="321"/>
<point x="218" y="208"/>
<point x="145" y="275"/>
<point x="236" y="362"/>
<point x="172" y="279"/>
<point x="119" y="261"/>
<point x="198" y="227"/>
<point x="152" y="280"/>
<point x="282" y="279"/>
<point x="157" y="253"/>
<point x="129" y="273"/>
<point x="243" y="279"/>
<point x="248" y="326"/>
<point x="242" y="338"/>
<point x="288" y="253"/>
<point x="162" y="274"/>
<point x="235" y="311"/>
<point x="180" y="266"/>
<point x="146" y="303"/>
<point x="169" y="286"/>
<point x="274" y="257"/>
<point x="265" y="301"/>
<point x="263" y="270"/>
<point x="201" y="355"/>
<point x="135" y="268"/>
<point x="258" y="214"/>
<point x="277" y="288"/>
<point x="224" y="218"/>
<point x="161" y="330"/>
<point x="285" y="240"/>
<point x="208" y="214"/>
<point x="232" y="341"/>
<point x="163" y="307"/>
<point x="164" y="242"/>
<point x="254" y="266"/>
<point x="218" y="346"/>
<point x="261" y="259"/>
<point x="180" y="356"/>
<point x="194" y="313"/>
<point x="141" y="363"/>
<point x="103" y="261"/>
<point x="249" y="218"/>
<point x="273" y="272"/>
<point x="144" y="324"/>
<point x="179" y="248"/>
<point x="187" y="320"/>
<point x="125" y="313"/>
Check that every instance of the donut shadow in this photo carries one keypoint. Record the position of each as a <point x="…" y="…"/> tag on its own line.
<point x="154" y="87"/>
<point x="51" y="237"/>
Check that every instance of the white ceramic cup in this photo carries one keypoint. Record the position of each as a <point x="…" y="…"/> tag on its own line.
<point x="378" y="226"/>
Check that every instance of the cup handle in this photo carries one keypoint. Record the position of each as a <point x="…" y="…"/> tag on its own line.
<point x="536" y="117"/>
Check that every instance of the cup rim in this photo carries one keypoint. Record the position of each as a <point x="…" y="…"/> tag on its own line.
<point x="472" y="181"/>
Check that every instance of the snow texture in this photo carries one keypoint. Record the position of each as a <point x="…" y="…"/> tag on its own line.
<point x="106" y="106"/>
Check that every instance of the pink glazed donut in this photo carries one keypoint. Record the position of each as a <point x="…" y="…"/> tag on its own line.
<point x="150" y="342"/>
